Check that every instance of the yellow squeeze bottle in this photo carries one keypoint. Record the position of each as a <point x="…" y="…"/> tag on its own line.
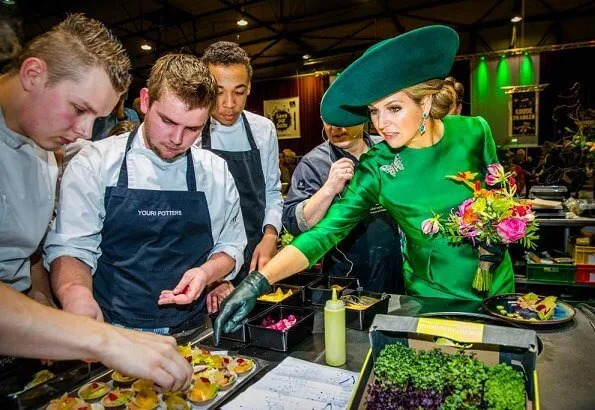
<point x="334" y="331"/>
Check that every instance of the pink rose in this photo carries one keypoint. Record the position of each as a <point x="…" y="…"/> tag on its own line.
<point x="511" y="229"/>
<point x="464" y="206"/>
<point x="430" y="226"/>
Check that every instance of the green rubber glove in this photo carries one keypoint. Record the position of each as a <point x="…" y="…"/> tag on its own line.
<point x="239" y="304"/>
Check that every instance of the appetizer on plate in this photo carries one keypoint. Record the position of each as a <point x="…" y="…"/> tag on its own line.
<point x="142" y="384"/>
<point x="40" y="377"/>
<point x="93" y="391"/>
<point x="117" y="399"/>
<point x="241" y="366"/>
<point x="145" y="400"/>
<point x="202" y="391"/>
<point x="66" y="402"/>
<point x="121" y="379"/>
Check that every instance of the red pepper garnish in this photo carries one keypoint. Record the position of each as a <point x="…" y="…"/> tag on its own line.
<point x="94" y="385"/>
<point x="112" y="396"/>
<point x="204" y="380"/>
<point x="240" y="360"/>
<point x="189" y="359"/>
<point x="226" y="360"/>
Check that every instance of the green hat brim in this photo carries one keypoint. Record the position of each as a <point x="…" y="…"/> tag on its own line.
<point x="387" y="67"/>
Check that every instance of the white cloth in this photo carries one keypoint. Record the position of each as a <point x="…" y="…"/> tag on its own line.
<point x="77" y="229"/>
<point x="28" y="176"/>
<point x="234" y="138"/>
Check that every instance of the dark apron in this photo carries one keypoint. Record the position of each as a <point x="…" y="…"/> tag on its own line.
<point x="150" y="238"/>
<point x="246" y="169"/>
<point x="374" y="248"/>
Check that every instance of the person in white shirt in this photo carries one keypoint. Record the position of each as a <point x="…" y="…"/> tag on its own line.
<point x="146" y="221"/>
<point x="50" y="96"/>
<point x="248" y="142"/>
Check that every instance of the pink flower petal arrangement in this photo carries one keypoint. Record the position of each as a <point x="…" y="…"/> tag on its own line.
<point x="492" y="216"/>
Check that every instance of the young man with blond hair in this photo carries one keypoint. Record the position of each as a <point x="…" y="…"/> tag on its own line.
<point x="147" y="221"/>
<point x="58" y="84"/>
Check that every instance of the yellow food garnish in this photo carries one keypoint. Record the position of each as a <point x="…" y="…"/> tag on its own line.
<point x="146" y="399"/>
<point x="142" y="384"/>
<point x="185" y="351"/>
<point x="175" y="402"/>
<point x="202" y="391"/>
<point x="276" y="296"/>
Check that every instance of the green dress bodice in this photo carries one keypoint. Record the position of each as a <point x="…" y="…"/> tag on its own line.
<point x="411" y="187"/>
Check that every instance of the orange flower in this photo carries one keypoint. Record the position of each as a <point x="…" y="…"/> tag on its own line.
<point x="469" y="216"/>
<point x="467" y="177"/>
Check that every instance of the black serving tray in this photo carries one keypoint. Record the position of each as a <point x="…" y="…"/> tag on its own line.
<point x="320" y="291"/>
<point x="295" y="299"/>
<point x="303" y="280"/>
<point x="362" y="319"/>
<point x="285" y="339"/>
<point x="242" y="335"/>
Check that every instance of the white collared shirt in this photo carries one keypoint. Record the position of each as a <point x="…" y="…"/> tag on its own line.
<point x="234" y="138"/>
<point x="28" y="176"/>
<point x="77" y="229"/>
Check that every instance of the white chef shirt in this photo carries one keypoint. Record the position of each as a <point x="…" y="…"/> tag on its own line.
<point x="234" y="138"/>
<point x="77" y="229"/>
<point x="27" y="187"/>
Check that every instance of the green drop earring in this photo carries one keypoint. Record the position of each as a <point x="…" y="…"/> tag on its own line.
<point x="422" y="127"/>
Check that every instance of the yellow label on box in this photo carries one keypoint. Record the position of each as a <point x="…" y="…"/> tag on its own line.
<point x="457" y="331"/>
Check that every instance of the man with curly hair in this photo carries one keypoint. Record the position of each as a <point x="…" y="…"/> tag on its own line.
<point x="248" y="142"/>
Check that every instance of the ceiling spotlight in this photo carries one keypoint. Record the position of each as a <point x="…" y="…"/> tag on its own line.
<point x="306" y="56"/>
<point x="146" y="47"/>
<point x="242" y="22"/>
<point x="516" y="19"/>
<point x="8" y="2"/>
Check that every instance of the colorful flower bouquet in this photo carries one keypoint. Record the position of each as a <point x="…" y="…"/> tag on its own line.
<point x="491" y="218"/>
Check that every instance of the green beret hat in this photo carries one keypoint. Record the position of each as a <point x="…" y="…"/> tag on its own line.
<point x="387" y="67"/>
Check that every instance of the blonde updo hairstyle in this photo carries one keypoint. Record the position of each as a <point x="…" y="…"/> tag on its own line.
<point x="440" y="92"/>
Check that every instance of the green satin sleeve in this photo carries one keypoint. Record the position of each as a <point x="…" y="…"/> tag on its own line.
<point x="360" y="196"/>
<point x="489" y="146"/>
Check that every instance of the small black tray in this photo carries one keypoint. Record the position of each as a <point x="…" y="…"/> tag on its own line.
<point x="295" y="299"/>
<point x="362" y="319"/>
<point x="242" y="334"/>
<point x="285" y="339"/>
<point x="302" y="280"/>
<point x="319" y="296"/>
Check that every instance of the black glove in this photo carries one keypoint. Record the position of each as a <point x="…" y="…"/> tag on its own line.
<point x="239" y="303"/>
<point x="495" y="256"/>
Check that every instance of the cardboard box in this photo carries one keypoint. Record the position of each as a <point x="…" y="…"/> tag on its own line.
<point x="491" y="344"/>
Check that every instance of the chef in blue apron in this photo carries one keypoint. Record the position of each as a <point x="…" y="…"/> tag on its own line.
<point x="248" y="143"/>
<point x="146" y="221"/>
<point x="372" y="250"/>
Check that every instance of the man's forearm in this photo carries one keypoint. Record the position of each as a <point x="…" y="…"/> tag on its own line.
<point x="218" y="266"/>
<point x="70" y="276"/>
<point x="316" y="207"/>
<point x="32" y="330"/>
<point x="40" y="282"/>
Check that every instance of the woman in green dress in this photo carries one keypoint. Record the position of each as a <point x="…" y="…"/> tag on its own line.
<point x="399" y="84"/>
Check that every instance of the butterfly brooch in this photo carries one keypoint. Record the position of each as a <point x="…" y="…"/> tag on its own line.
<point x="393" y="168"/>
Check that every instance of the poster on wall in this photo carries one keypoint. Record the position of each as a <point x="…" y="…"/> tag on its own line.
<point x="285" y="114"/>
<point x="523" y="112"/>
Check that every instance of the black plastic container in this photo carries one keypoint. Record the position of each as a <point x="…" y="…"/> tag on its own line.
<point x="320" y="291"/>
<point x="362" y="319"/>
<point x="242" y="334"/>
<point x="282" y="340"/>
<point x="295" y="299"/>
<point x="303" y="280"/>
